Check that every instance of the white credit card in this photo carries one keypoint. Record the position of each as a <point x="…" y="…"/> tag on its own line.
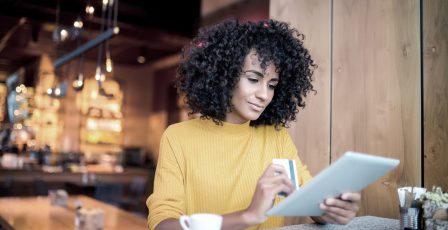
<point x="291" y="170"/>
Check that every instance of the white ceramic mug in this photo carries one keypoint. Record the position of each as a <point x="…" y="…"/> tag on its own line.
<point x="201" y="221"/>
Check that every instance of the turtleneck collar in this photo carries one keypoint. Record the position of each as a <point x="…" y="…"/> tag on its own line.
<point x="228" y="127"/>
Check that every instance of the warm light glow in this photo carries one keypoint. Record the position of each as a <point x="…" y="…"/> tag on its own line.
<point x="115" y="107"/>
<point x="19" y="126"/>
<point x="105" y="2"/>
<point x="78" y="24"/>
<point x="90" y="9"/>
<point x="95" y="124"/>
<point x="141" y="59"/>
<point x="21" y="89"/>
<point x="94" y="94"/>
<point x="64" y="34"/>
<point x="49" y="91"/>
<point x="16" y="112"/>
<point x="109" y="65"/>
<point x="98" y="73"/>
<point x="77" y="83"/>
<point x="57" y="91"/>
<point x="100" y="77"/>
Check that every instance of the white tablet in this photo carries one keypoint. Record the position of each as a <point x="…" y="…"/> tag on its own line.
<point x="351" y="172"/>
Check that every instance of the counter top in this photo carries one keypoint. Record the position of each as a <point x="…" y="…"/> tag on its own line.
<point x="28" y="213"/>
<point x="362" y="222"/>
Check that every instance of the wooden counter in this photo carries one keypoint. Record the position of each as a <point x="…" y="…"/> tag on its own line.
<point x="20" y="175"/>
<point x="22" y="180"/>
<point x="37" y="213"/>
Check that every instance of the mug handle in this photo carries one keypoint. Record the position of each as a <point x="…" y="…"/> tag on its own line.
<point x="185" y="222"/>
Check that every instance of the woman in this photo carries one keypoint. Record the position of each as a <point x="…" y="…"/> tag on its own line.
<point x="247" y="81"/>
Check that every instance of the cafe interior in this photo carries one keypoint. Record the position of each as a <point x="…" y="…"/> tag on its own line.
<point x="86" y="91"/>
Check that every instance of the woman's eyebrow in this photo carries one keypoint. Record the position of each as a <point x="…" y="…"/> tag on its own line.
<point x="260" y="74"/>
<point x="255" y="72"/>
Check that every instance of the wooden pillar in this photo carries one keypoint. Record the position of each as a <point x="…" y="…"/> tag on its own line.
<point x="435" y="99"/>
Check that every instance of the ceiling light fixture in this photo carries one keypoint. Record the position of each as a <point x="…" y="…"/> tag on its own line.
<point x="141" y="58"/>
<point x="90" y="10"/>
<point x="78" y="23"/>
<point x="78" y="83"/>
<point x="109" y="62"/>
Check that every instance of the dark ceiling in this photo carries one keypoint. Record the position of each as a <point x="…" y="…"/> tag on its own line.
<point x="154" y="28"/>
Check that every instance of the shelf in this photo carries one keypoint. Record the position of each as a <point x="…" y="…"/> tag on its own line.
<point x="100" y="148"/>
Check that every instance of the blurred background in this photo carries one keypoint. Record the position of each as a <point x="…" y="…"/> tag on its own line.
<point x="86" y="91"/>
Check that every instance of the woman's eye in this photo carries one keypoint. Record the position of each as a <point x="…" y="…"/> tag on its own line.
<point x="272" y="86"/>
<point x="253" y="80"/>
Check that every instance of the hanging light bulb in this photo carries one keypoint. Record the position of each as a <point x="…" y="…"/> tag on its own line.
<point x="78" y="23"/>
<point x="57" y="92"/>
<point x="98" y="73"/>
<point x="109" y="65"/>
<point x="49" y="91"/>
<point x="141" y="58"/>
<point x="102" y="77"/>
<point x="90" y="10"/>
<point x="78" y="83"/>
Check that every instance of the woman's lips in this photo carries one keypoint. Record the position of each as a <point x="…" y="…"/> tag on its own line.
<point x="256" y="107"/>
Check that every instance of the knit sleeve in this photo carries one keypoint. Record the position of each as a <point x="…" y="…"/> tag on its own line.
<point x="168" y="198"/>
<point x="290" y="152"/>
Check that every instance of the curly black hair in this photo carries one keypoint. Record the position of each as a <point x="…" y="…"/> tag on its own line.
<point x="212" y="63"/>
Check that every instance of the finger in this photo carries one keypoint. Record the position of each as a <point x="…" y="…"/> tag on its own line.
<point x="337" y="211"/>
<point x="269" y="191"/>
<point x="342" y="204"/>
<point x="351" y="196"/>
<point x="328" y="219"/>
<point x="277" y="181"/>
<point x="335" y="219"/>
<point x="282" y="188"/>
<point x="274" y="169"/>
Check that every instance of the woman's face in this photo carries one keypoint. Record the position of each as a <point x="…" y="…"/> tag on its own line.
<point x="253" y="92"/>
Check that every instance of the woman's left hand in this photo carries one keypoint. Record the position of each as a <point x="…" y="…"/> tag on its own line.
<point x="340" y="210"/>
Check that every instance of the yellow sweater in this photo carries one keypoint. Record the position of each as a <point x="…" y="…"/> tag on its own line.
<point x="207" y="168"/>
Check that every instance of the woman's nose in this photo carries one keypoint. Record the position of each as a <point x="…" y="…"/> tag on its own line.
<point x="262" y="93"/>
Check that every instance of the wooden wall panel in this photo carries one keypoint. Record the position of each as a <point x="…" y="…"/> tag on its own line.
<point x="435" y="75"/>
<point x="311" y="131"/>
<point x="376" y="92"/>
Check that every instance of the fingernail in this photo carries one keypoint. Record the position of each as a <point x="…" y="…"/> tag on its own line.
<point x="322" y="206"/>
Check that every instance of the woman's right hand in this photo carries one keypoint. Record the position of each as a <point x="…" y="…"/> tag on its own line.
<point x="273" y="181"/>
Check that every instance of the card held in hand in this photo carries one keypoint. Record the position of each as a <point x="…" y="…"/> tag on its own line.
<point x="291" y="170"/>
